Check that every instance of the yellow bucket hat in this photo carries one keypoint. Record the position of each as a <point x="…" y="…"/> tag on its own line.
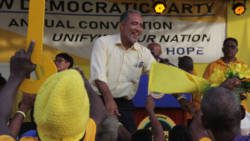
<point x="61" y="109"/>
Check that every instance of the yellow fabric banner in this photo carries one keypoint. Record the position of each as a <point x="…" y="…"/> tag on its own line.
<point x="168" y="79"/>
<point x="36" y="33"/>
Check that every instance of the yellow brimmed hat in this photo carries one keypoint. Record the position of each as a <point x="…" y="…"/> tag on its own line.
<point x="62" y="107"/>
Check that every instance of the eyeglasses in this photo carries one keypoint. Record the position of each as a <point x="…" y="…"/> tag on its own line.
<point x="59" y="60"/>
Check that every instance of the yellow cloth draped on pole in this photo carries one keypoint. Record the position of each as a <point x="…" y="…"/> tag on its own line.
<point x="168" y="79"/>
<point x="45" y="65"/>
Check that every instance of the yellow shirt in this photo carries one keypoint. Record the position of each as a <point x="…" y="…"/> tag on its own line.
<point x="218" y="64"/>
<point x="120" y="68"/>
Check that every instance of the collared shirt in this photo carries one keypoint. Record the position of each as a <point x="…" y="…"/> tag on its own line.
<point x="120" y="68"/>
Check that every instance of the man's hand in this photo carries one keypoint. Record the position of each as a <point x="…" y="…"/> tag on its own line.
<point x="27" y="102"/>
<point x="111" y="107"/>
<point x="109" y="102"/>
<point x="231" y="83"/>
<point x="20" y="63"/>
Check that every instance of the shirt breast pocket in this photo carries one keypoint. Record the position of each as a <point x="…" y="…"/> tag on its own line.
<point x="135" y="72"/>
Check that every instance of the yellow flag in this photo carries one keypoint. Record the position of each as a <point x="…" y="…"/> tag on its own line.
<point x="168" y="79"/>
<point x="44" y="65"/>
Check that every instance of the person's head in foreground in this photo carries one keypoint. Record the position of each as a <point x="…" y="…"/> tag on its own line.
<point x="63" y="61"/>
<point x="221" y="113"/>
<point x="61" y="109"/>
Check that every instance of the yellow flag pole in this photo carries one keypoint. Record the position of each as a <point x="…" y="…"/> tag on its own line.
<point x="36" y="33"/>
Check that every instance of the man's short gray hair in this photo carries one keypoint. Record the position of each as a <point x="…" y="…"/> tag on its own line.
<point x="221" y="109"/>
<point x="125" y="15"/>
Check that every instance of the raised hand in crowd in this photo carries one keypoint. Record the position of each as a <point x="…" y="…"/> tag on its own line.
<point x="20" y="67"/>
<point x="157" y="130"/>
<point x="26" y="104"/>
<point x="20" y="63"/>
<point x="150" y="105"/>
<point x="231" y="83"/>
<point x="142" y="134"/>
